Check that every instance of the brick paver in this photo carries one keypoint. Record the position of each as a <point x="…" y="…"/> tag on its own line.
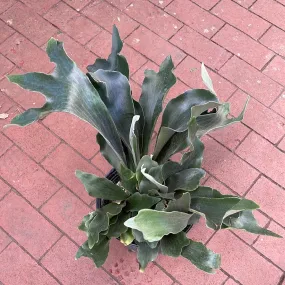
<point x="242" y="43"/>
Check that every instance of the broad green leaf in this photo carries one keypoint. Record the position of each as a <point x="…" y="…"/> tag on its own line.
<point x="207" y="79"/>
<point x="139" y="201"/>
<point x="128" y="179"/>
<point x="155" y="87"/>
<point x="156" y="224"/>
<point x="116" y="95"/>
<point x="216" y="209"/>
<point x="146" y="254"/>
<point x="118" y="228"/>
<point x="147" y="162"/>
<point x="172" y="245"/>
<point x="169" y="168"/>
<point x="115" y="61"/>
<point x="245" y="221"/>
<point x="138" y="235"/>
<point x="208" y="192"/>
<point x="127" y="237"/>
<point x="155" y="192"/>
<point x="101" y="187"/>
<point x="188" y="179"/>
<point x="175" y="118"/>
<point x="201" y="257"/>
<point x="98" y="253"/>
<point x="140" y="123"/>
<point x="134" y="142"/>
<point x="161" y="187"/>
<point x="69" y="90"/>
<point x="182" y="204"/>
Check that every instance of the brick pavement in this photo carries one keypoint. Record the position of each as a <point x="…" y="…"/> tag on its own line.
<point x="242" y="42"/>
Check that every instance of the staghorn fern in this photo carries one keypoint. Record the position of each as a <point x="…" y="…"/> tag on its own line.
<point x="156" y="198"/>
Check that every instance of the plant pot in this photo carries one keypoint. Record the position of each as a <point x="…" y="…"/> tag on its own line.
<point x="115" y="178"/>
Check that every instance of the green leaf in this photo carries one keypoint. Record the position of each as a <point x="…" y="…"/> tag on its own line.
<point x="101" y="187"/>
<point x="118" y="228"/>
<point x="115" y="62"/>
<point x="161" y="187"/>
<point x="180" y="205"/>
<point x="174" y="121"/>
<point x="128" y="179"/>
<point x="216" y="209"/>
<point x="188" y="179"/>
<point x="98" y="253"/>
<point x="147" y="162"/>
<point x="139" y="201"/>
<point x="67" y="89"/>
<point x="146" y="254"/>
<point x="207" y="79"/>
<point x="156" y="224"/>
<point x="116" y="95"/>
<point x="127" y="237"/>
<point x="201" y="257"/>
<point x="134" y="141"/>
<point x="169" y="168"/>
<point x="245" y="221"/>
<point x="155" y="87"/>
<point x="172" y="245"/>
<point x="208" y="192"/>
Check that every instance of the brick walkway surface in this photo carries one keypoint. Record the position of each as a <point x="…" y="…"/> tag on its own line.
<point x="242" y="43"/>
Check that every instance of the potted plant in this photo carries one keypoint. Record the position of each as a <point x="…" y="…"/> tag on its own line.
<point x="148" y="201"/>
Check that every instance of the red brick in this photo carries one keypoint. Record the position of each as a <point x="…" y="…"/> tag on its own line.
<point x="12" y="112"/>
<point x="227" y="167"/>
<point x="6" y="31"/>
<point x="264" y="156"/>
<point x="203" y="22"/>
<point x="81" y="29"/>
<point x="66" y="211"/>
<point x="251" y="80"/>
<point x="281" y="145"/>
<point x="271" y="247"/>
<point x="274" y="39"/>
<point x="60" y="14"/>
<point x="101" y="44"/>
<point x="28" y="23"/>
<point x="25" y="54"/>
<point x="279" y="106"/>
<point x="5" y="4"/>
<point x="189" y="71"/>
<point x="271" y="11"/>
<point x="183" y="271"/>
<point x="4" y="188"/>
<point x="275" y="69"/>
<point x="245" y="3"/>
<point x="6" y="66"/>
<point x="153" y="47"/>
<point x="216" y="184"/>
<point x="200" y="232"/>
<point x="4" y="239"/>
<point x="100" y="162"/>
<point x="28" y="228"/>
<point x="61" y="263"/>
<point x="76" y="52"/>
<point x="200" y="48"/>
<point x="77" y="4"/>
<point x="136" y="90"/>
<point x="231" y="136"/>
<point x="63" y="162"/>
<point x="231" y="282"/>
<point x="161" y="3"/>
<point x="106" y="16"/>
<point x="258" y="117"/>
<point x="241" y="18"/>
<point x="243" y="46"/>
<point x="5" y="102"/>
<point x="77" y="133"/>
<point x="270" y="198"/>
<point x="40" y="6"/>
<point x="206" y="4"/>
<point x="139" y="76"/>
<point x="27" y="177"/>
<point x="153" y="18"/>
<point x="120" y="4"/>
<point x="17" y="267"/>
<point x="34" y="139"/>
<point x="5" y="144"/>
<point x="123" y="265"/>
<point x="237" y="258"/>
